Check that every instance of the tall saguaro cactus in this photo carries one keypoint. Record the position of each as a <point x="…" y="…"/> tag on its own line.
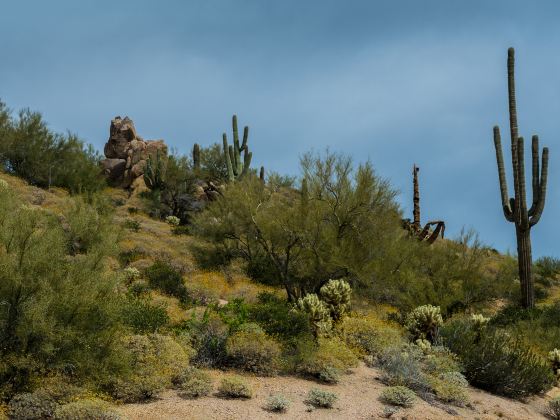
<point x="515" y="209"/>
<point x="232" y="153"/>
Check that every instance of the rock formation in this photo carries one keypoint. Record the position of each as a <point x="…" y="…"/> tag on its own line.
<point x="126" y="153"/>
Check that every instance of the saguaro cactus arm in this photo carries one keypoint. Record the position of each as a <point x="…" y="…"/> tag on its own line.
<point x="508" y="210"/>
<point x="538" y="207"/>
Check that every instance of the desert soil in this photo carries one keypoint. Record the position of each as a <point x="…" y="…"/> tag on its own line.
<point x="358" y="398"/>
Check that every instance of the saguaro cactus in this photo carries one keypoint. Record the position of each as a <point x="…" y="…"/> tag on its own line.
<point x="515" y="209"/>
<point x="414" y="227"/>
<point x="196" y="156"/>
<point x="154" y="172"/>
<point x="232" y="153"/>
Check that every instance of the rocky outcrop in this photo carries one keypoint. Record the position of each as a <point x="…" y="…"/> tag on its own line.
<point x="126" y="153"/>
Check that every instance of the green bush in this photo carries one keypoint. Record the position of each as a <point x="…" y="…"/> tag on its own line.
<point x="165" y="278"/>
<point x="31" y="406"/>
<point x="450" y="387"/>
<point x="93" y="409"/>
<point x="235" y="387"/>
<point x="277" y="318"/>
<point x="398" y="395"/>
<point x="62" y="314"/>
<point x="44" y="158"/>
<point x="208" y="337"/>
<point x="496" y="362"/>
<point x="424" y="322"/>
<point x="193" y="383"/>
<point x="154" y="360"/>
<point x="369" y="335"/>
<point x="321" y="399"/>
<point x="144" y="317"/>
<point x="403" y="366"/>
<point x="327" y="360"/>
<point x="277" y="403"/>
<point x="131" y="224"/>
<point x="252" y="350"/>
<point x="553" y="409"/>
<point x="430" y="372"/>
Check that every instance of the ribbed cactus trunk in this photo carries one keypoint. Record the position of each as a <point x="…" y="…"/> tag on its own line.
<point x="416" y="200"/>
<point x="196" y="157"/>
<point x="515" y="209"/>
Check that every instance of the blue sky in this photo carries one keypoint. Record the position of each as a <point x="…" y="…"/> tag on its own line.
<point x="396" y="82"/>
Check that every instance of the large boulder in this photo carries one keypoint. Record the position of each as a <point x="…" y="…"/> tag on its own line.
<point x="127" y="153"/>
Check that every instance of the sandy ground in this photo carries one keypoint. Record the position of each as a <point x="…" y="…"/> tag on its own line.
<point x="358" y="395"/>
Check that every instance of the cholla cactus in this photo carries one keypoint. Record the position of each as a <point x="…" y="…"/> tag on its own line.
<point x="131" y="273"/>
<point x="479" y="321"/>
<point x="424" y="345"/>
<point x="554" y="357"/>
<point x="336" y="295"/>
<point x="424" y="322"/>
<point x="4" y="185"/>
<point x="173" y="220"/>
<point x="318" y="313"/>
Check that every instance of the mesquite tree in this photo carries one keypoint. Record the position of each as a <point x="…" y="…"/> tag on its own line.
<point x="515" y="209"/>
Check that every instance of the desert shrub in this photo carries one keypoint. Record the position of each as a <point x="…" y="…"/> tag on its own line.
<point x="142" y="316"/>
<point x="553" y="409"/>
<point x="317" y="312"/>
<point x="60" y="311"/>
<point x="336" y="295"/>
<point x="424" y="322"/>
<point x="277" y="403"/>
<point x="155" y="360"/>
<point x="129" y="256"/>
<point x="31" y="406"/>
<point x="439" y="360"/>
<point x="497" y="362"/>
<point x="321" y="399"/>
<point x="547" y="270"/>
<point x="554" y="359"/>
<point x="450" y="387"/>
<point x="402" y="366"/>
<point x="173" y="220"/>
<point x="44" y="158"/>
<point x="252" y="350"/>
<point x="398" y="395"/>
<point x="59" y="389"/>
<point x="87" y="226"/>
<point x="90" y="409"/>
<point x="235" y="313"/>
<point x="208" y="337"/>
<point x="131" y="274"/>
<point x="138" y="289"/>
<point x="164" y="277"/>
<point x="235" y="387"/>
<point x="532" y="325"/>
<point x="369" y="335"/>
<point x="193" y="383"/>
<point x="132" y="224"/>
<point x="434" y="371"/>
<point x="277" y="318"/>
<point x="200" y="294"/>
<point x="327" y="360"/>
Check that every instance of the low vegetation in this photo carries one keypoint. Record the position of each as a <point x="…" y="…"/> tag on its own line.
<point x="110" y="299"/>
